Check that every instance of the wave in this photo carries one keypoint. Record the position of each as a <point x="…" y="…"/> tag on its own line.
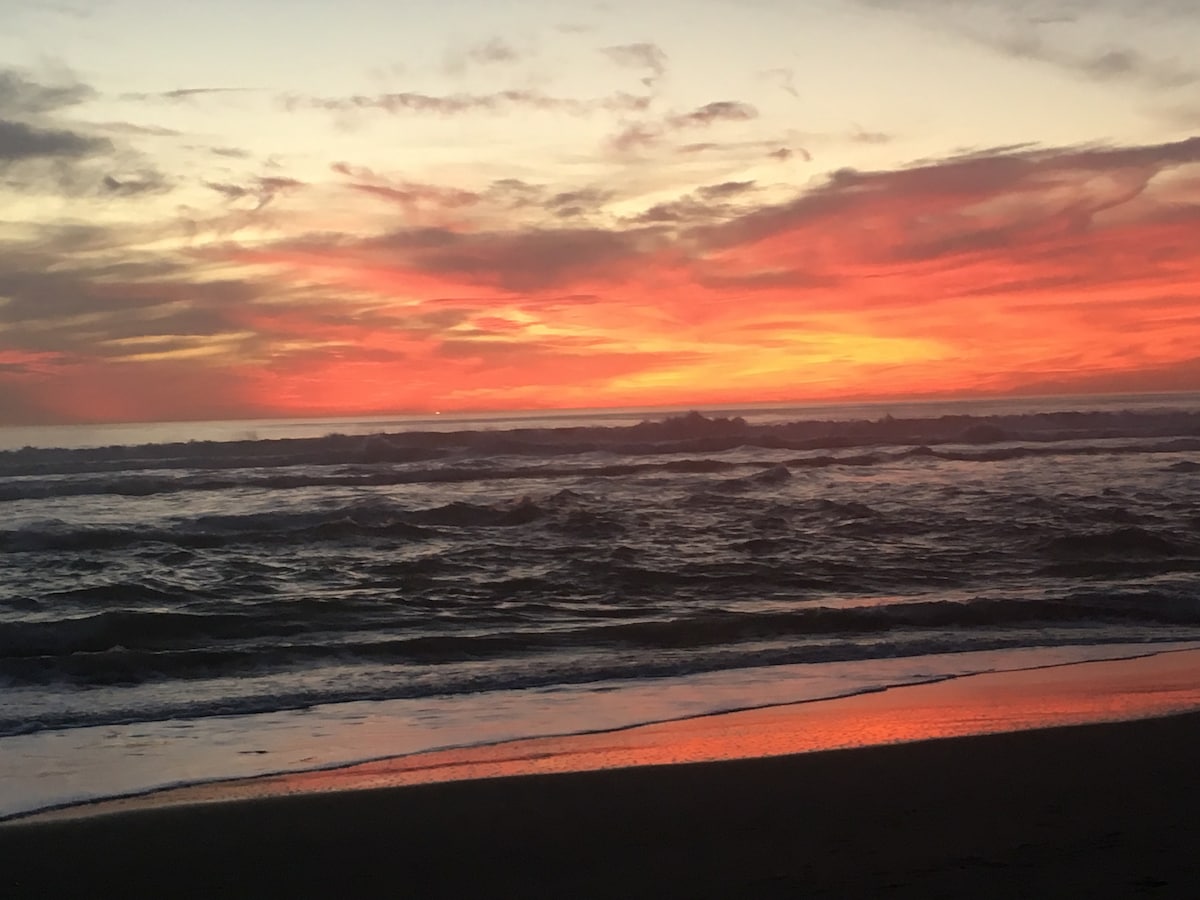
<point x="55" y="536"/>
<point x="691" y="433"/>
<point x="1123" y="542"/>
<point x="131" y="645"/>
<point x="26" y="487"/>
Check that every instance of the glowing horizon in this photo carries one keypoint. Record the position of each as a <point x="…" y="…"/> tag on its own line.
<point x="607" y="207"/>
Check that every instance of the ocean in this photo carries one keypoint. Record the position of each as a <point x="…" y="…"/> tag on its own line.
<point x="183" y="603"/>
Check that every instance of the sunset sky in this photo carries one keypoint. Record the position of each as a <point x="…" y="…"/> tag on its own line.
<point x="246" y="208"/>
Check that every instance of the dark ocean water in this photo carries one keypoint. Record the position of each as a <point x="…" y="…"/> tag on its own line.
<point x="187" y="580"/>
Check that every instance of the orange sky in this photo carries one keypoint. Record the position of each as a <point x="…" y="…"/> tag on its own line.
<point x="579" y="220"/>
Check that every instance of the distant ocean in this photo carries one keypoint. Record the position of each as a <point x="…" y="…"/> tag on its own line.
<point x="189" y="602"/>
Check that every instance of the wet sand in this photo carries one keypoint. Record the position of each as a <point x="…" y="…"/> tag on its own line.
<point x="1095" y="810"/>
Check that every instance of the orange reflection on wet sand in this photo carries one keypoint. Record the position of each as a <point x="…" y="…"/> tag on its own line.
<point x="981" y="704"/>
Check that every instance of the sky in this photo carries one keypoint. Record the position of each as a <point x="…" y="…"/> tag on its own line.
<point x="254" y="208"/>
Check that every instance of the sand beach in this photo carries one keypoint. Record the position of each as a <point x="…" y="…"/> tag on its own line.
<point x="1093" y="794"/>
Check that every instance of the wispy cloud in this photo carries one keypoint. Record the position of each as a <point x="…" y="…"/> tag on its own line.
<point x="262" y="190"/>
<point x="185" y="95"/>
<point x="641" y="135"/>
<point x="466" y="103"/>
<point x="489" y="53"/>
<point x="643" y="55"/>
<point x="410" y="195"/>
<point x="1052" y="32"/>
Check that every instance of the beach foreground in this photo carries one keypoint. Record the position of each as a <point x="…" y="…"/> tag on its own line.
<point x="1088" y="811"/>
<point x="1095" y="810"/>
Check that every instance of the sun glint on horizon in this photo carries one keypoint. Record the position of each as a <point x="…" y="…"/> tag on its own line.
<point x="343" y="209"/>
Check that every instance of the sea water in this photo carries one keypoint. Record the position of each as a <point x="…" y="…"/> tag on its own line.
<point x="240" y="598"/>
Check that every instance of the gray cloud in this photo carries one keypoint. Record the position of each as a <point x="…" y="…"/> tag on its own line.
<point x="524" y="260"/>
<point x="147" y="182"/>
<point x="1034" y="30"/>
<point x="19" y="141"/>
<point x="40" y="153"/>
<point x="20" y="96"/>
<point x="183" y="95"/>
<point x="104" y="294"/>
<point x="1111" y="64"/>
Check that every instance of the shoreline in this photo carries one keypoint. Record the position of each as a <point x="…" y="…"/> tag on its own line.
<point x="1164" y="683"/>
<point x="1040" y="807"/>
<point x="1100" y="810"/>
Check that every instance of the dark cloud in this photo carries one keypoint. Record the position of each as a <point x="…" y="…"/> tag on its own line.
<point x="90" y="304"/>
<point x="136" y="184"/>
<point x="19" y="141"/>
<point x="527" y="259"/>
<point x="19" y="96"/>
<point x="643" y="55"/>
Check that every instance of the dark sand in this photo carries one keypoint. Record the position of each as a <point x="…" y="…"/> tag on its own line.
<point x="1109" y="810"/>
